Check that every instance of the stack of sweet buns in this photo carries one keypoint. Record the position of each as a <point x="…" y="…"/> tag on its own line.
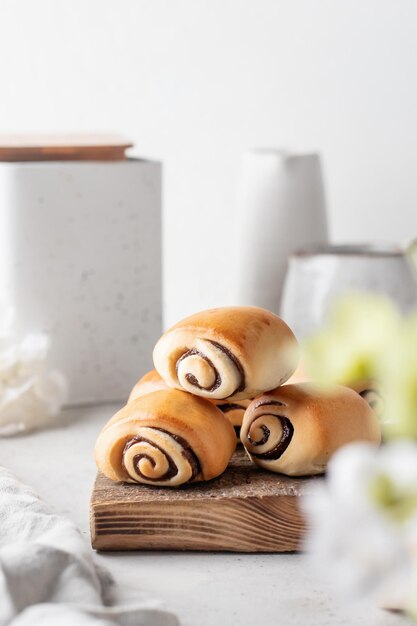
<point x="219" y="375"/>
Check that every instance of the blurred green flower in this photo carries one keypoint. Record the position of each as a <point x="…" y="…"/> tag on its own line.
<point x="396" y="501"/>
<point x="371" y="491"/>
<point x="361" y="330"/>
<point x="399" y="381"/>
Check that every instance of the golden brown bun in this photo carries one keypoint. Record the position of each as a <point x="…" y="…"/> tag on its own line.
<point x="166" y="438"/>
<point x="152" y="381"/>
<point x="369" y="389"/>
<point x="234" y="411"/>
<point x="295" y="429"/>
<point x="148" y="383"/>
<point x="299" y="376"/>
<point x="231" y="353"/>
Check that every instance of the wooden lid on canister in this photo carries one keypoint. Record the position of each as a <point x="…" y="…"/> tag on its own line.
<point x="63" y="147"/>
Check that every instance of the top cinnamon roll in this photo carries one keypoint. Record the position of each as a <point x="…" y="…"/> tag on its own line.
<point x="227" y="353"/>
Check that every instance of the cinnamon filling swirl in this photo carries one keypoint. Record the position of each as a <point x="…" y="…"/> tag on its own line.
<point x="279" y="449"/>
<point x="211" y="367"/>
<point x="236" y="363"/>
<point x="261" y="442"/>
<point x="229" y="406"/>
<point x="187" y="453"/>
<point x="192" y="379"/>
<point x="285" y="432"/>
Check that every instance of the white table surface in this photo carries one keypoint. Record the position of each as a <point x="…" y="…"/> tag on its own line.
<point x="203" y="589"/>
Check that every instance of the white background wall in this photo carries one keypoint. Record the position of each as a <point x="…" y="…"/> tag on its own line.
<point x="196" y="82"/>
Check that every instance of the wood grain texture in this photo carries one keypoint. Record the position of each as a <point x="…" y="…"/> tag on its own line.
<point x="245" y="510"/>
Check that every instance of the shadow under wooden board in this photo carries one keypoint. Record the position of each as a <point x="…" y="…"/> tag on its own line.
<point x="245" y="510"/>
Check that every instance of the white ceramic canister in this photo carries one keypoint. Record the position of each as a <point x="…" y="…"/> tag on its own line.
<point x="80" y="258"/>
<point x="281" y="207"/>
<point x="317" y="276"/>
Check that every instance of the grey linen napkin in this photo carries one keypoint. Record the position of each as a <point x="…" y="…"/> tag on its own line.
<point x="47" y="573"/>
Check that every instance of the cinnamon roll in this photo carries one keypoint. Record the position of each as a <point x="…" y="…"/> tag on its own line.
<point x="166" y="438"/>
<point x="295" y="429"/>
<point x="371" y="392"/>
<point x="299" y="375"/>
<point x="152" y="381"/>
<point x="149" y="382"/>
<point x="231" y="353"/>
<point x="369" y="389"/>
<point x="234" y="411"/>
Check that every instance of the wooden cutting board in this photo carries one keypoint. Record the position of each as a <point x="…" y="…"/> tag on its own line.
<point x="244" y="510"/>
<point x="71" y="147"/>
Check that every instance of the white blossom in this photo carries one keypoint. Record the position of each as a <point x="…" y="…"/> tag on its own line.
<point x="30" y="394"/>
<point x="363" y="523"/>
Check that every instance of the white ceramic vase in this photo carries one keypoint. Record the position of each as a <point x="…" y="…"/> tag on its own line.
<point x="281" y="207"/>
<point x="317" y="276"/>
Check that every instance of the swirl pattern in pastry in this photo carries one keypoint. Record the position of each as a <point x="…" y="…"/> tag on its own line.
<point x="270" y="432"/>
<point x="165" y="438"/>
<point x="210" y="369"/>
<point x="156" y="455"/>
<point x="296" y="428"/>
<point x="231" y="353"/>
